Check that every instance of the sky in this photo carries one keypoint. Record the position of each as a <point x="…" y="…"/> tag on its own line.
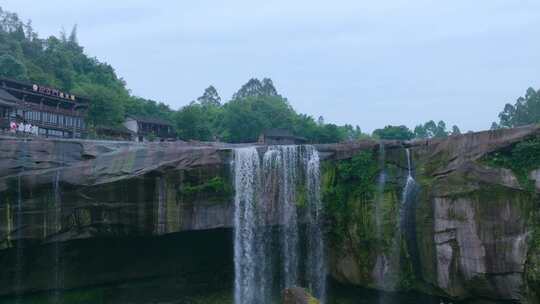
<point x="366" y="63"/>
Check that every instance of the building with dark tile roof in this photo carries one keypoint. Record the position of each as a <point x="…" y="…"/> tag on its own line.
<point x="146" y="128"/>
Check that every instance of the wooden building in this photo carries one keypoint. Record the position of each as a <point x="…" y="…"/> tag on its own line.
<point x="149" y="128"/>
<point x="56" y="113"/>
<point x="280" y="137"/>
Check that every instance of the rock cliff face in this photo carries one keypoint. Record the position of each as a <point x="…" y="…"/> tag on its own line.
<point x="469" y="229"/>
<point x="475" y="225"/>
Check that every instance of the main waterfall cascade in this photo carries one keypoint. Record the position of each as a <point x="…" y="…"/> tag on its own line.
<point x="278" y="195"/>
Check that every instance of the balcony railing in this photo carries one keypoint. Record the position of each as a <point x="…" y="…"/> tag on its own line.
<point x="48" y="125"/>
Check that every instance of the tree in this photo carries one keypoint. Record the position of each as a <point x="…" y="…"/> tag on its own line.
<point x="455" y="130"/>
<point x="440" y="131"/>
<point x="268" y="88"/>
<point x="431" y="129"/>
<point x="193" y="122"/>
<point x="394" y="132"/>
<point x="254" y="87"/>
<point x="210" y="97"/>
<point x="106" y="108"/>
<point x="526" y="110"/>
<point x="243" y="120"/>
<point x="12" y="68"/>
<point x="60" y="62"/>
<point x="73" y="36"/>
<point x="420" y="132"/>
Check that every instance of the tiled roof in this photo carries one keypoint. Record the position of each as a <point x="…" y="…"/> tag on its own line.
<point x="149" y="119"/>
<point x="282" y="133"/>
<point x="5" y="96"/>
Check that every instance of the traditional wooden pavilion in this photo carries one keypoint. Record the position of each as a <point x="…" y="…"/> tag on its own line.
<point x="56" y="113"/>
<point x="280" y="137"/>
<point x="146" y="128"/>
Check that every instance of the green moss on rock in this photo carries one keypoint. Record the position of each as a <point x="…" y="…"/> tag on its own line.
<point x="204" y="183"/>
<point x="522" y="158"/>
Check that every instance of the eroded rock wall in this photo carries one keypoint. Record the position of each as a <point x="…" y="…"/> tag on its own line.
<point x="476" y="226"/>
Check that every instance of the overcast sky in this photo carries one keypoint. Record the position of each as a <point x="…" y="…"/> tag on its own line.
<point x="367" y="63"/>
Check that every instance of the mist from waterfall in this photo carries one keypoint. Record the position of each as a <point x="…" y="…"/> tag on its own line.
<point x="267" y="202"/>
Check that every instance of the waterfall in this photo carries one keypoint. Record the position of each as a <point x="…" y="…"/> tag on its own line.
<point x="57" y="227"/>
<point x="267" y="195"/>
<point x="288" y="217"/>
<point x="408" y="216"/>
<point x="316" y="266"/>
<point x="388" y="267"/>
<point x="381" y="183"/>
<point x="19" y="226"/>
<point x="248" y="282"/>
<point x="19" y="253"/>
<point x="408" y="190"/>
<point x="382" y="263"/>
<point x="161" y="227"/>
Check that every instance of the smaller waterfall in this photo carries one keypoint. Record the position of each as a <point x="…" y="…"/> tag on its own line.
<point x="57" y="247"/>
<point x="408" y="217"/>
<point x="19" y="255"/>
<point x="388" y="267"/>
<point x="381" y="183"/>
<point x="408" y="190"/>
<point x="316" y="266"/>
<point x="161" y="226"/>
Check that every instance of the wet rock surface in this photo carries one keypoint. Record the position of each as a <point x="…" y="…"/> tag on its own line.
<point x="297" y="295"/>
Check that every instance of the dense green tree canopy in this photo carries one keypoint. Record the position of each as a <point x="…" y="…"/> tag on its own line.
<point x="61" y="62"/>
<point x="526" y="110"/>
<point x="256" y="107"/>
<point x="210" y="97"/>
<point x="12" y="68"/>
<point x="254" y="87"/>
<point x="394" y="132"/>
<point x="431" y="129"/>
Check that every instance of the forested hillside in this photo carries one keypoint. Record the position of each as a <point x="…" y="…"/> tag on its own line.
<point x="60" y="62"/>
